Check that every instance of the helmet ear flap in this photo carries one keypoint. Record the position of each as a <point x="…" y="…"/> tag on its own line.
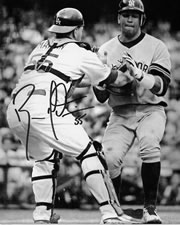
<point x="118" y="19"/>
<point x="143" y="20"/>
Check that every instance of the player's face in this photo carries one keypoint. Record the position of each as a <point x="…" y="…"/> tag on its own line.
<point x="129" y="22"/>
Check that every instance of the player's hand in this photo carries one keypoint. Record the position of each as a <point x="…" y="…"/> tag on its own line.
<point x="95" y="49"/>
<point x="123" y="79"/>
<point x="132" y="67"/>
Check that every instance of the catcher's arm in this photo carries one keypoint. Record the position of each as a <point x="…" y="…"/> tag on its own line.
<point x="119" y="79"/>
<point x="84" y="82"/>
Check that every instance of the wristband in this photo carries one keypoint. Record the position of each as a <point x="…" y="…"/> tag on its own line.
<point x="147" y="80"/>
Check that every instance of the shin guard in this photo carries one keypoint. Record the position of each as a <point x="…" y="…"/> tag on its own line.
<point x="97" y="177"/>
<point x="44" y="181"/>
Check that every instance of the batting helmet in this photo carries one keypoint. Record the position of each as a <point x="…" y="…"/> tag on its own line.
<point x="135" y="5"/>
<point x="66" y="20"/>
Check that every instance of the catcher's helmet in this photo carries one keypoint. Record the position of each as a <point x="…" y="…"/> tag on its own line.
<point x="135" y="5"/>
<point x="66" y="20"/>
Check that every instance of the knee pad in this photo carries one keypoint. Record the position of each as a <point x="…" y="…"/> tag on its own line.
<point x="149" y="149"/>
<point x="44" y="179"/>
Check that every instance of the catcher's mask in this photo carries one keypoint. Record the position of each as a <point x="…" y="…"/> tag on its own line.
<point x="133" y="5"/>
<point x="66" y="20"/>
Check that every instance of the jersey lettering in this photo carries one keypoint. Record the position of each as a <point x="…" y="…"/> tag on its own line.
<point x="142" y="66"/>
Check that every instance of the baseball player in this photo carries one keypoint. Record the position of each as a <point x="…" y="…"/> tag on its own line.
<point x="38" y="115"/>
<point x="137" y="107"/>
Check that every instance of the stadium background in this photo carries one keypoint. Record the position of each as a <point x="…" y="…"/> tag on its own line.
<point x="23" y="23"/>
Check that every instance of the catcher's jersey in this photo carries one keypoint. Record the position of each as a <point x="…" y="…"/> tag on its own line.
<point x="151" y="55"/>
<point x="69" y="58"/>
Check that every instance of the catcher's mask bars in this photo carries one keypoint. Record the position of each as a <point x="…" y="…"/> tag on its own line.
<point x="133" y="5"/>
<point x="66" y="20"/>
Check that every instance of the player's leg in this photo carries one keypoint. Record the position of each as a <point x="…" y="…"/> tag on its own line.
<point x="75" y="142"/>
<point x="44" y="182"/>
<point x="71" y="140"/>
<point x="117" y="141"/>
<point x="96" y="174"/>
<point x="44" y="174"/>
<point x="150" y="133"/>
<point x="44" y="171"/>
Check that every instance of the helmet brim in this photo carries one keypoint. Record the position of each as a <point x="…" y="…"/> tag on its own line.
<point x="130" y="9"/>
<point x="61" y="29"/>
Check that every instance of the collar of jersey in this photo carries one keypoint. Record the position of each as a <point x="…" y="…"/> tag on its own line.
<point x="134" y="42"/>
<point x="61" y="42"/>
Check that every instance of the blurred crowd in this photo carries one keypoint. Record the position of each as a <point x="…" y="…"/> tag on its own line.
<point x="18" y="36"/>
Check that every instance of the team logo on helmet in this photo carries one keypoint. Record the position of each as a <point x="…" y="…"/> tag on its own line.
<point x="126" y="5"/>
<point x="57" y="21"/>
<point x="131" y="3"/>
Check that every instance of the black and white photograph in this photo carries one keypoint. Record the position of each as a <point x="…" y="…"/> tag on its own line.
<point x="89" y="112"/>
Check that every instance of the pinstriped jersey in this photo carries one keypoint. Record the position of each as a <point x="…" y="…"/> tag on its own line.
<point x="151" y="56"/>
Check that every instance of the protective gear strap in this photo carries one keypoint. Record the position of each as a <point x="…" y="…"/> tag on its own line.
<point x="55" y="159"/>
<point x="108" y="182"/>
<point x="112" y="196"/>
<point x="91" y="173"/>
<point x="105" y="203"/>
<point x="100" y="154"/>
<point x="41" y="177"/>
<point x="88" y="156"/>
<point x="49" y="69"/>
<point x="84" y="151"/>
<point x="49" y="205"/>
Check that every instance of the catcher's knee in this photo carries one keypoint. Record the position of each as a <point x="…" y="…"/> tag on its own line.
<point x="92" y="158"/>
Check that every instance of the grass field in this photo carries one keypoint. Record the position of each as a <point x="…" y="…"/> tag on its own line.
<point x="169" y="215"/>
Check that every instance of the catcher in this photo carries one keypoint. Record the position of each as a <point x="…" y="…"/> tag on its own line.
<point x="38" y="115"/>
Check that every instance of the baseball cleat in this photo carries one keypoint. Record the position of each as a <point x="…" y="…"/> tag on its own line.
<point x="54" y="219"/>
<point x="41" y="221"/>
<point x="123" y="219"/>
<point x="135" y="213"/>
<point x="113" y="220"/>
<point x="128" y="219"/>
<point x="150" y="215"/>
